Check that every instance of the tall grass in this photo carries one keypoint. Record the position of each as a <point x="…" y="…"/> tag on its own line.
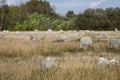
<point x="20" y="58"/>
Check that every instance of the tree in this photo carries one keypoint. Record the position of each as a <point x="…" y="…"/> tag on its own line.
<point x="70" y="14"/>
<point x="41" y="7"/>
<point x="2" y="2"/>
<point x="13" y="15"/>
<point x="90" y="13"/>
<point x="4" y="17"/>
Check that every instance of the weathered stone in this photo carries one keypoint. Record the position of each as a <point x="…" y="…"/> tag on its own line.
<point x="33" y="37"/>
<point x="36" y="30"/>
<point x="114" y="43"/>
<point x="17" y="32"/>
<point x="103" y="35"/>
<point x="75" y="31"/>
<point x="116" y="29"/>
<point x="61" y="31"/>
<point x="6" y="31"/>
<point x="87" y="31"/>
<point x="49" y="30"/>
<point x="65" y="38"/>
<point x="102" y="60"/>
<point x="48" y="63"/>
<point x="2" y="36"/>
<point x="85" y="42"/>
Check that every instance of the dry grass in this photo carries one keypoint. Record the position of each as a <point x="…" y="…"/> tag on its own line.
<point x="20" y="58"/>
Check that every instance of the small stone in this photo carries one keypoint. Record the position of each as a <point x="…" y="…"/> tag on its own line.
<point x="65" y="38"/>
<point x="103" y="35"/>
<point x="17" y="32"/>
<point x="33" y="37"/>
<point x="48" y="63"/>
<point x="36" y="30"/>
<point x="6" y="31"/>
<point x="61" y="31"/>
<point x="49" y="30"/>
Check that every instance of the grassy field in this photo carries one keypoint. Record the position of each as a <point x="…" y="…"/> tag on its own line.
<point x="20" y="58"/>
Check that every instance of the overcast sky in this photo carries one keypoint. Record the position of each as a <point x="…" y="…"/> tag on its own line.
<point x="78" y="6"/>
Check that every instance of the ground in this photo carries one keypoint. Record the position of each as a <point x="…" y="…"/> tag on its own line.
<point x="20" y="57"/>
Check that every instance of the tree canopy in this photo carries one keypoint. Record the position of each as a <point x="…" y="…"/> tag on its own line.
<point x="40" y="14"/>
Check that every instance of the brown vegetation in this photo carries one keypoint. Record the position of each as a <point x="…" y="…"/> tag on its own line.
<point x="20" y="58"/>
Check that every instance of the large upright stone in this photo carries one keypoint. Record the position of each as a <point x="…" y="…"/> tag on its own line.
<point x="85" y="42"/>
<point x="114" y="43"/>
<point x="116" y="29"/>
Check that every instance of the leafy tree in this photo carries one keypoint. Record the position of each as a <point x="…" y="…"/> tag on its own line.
<point x="4" y="17"/>
<point x="70" y="14"/>
<point x="13" y="15"/>
<point x="2" y="2"/>
<point x="98" y="19"/>
<point x="41" y="7"/>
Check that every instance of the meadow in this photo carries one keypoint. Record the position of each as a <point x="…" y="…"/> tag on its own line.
<point x="20" y="57"/>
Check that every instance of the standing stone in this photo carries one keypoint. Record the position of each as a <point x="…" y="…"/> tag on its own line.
<point x="85" y="42"/>
<point x="49" y="30"/>
<point x="116" y="29"/>
<point x="5" y="31"/>
<point x="65" y="38"/>
<point x="33" y="37"/>
<point x="114" y="43"/>
<point x="36" y="30"/>
<point x="17" y="32"/>
<point x="103" y="35"/>
<point x="61" y="31"/>
<point x="75" y="31"/>
<point x="48" y="63"/>
<point x="87" y="31"/>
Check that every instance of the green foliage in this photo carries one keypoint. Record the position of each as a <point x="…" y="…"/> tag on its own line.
<point x="39" y="6"/>
<point x="40" y="22"/>
<point x="30" y="23"/>
<point x="70" y="14"/>
<point x="4" y="18"/>
<point x="59" y="24"/>
<point x="38" y="14"/>
<point x="98" y="19"/>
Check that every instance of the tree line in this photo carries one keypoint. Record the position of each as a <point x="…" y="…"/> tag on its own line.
<point x="98" y="19"/>
<point x="41" y="15"/>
